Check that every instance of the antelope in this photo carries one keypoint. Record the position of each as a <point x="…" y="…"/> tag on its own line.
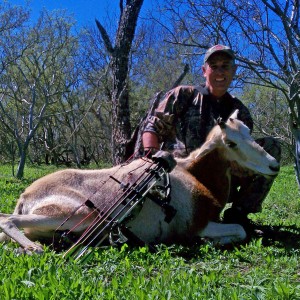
<point x="200" y="186"/>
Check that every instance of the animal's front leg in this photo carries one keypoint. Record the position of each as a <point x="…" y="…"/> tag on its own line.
<point x="9" y="227"/>
<point x="4" y="215"/>
<point x="224" y="233"/>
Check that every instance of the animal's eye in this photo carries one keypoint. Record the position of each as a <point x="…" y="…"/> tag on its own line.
<point x="231" y="144"/>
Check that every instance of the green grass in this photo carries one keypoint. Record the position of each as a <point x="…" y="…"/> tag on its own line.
<point x="265" y="267"/>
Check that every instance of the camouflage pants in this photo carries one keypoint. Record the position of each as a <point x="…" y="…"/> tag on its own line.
<point x="247" y="194"/>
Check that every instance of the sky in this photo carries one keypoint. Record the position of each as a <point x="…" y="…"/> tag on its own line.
<point x="85" y="11"/>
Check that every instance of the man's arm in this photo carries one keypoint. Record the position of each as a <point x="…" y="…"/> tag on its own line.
<point x="160" y="127"/>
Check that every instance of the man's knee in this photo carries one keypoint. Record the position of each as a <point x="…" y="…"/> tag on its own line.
<point x="271" y="145"/>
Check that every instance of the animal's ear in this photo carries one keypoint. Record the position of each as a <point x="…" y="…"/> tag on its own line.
<point x="221" y="123"/>
<point x="234" y="115"/>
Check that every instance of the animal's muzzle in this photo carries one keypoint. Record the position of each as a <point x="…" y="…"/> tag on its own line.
<point x="275" y="168"/>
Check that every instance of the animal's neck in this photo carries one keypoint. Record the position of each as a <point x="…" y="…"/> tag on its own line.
<point x="213" y="171"/>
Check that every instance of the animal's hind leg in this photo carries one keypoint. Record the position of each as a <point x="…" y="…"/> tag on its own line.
<point x="224" y="233"/>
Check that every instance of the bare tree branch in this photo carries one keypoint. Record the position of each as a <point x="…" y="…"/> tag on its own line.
<point x="105" y="37"/>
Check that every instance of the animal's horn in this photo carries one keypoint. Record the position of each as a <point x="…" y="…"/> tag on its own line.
<point x="234" y="115"/>
<point x="221" y="123"/>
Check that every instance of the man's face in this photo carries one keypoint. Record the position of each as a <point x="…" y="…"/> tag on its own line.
<point x="219" y="71"/>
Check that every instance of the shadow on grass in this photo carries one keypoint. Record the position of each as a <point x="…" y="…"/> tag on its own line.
<point x="278" y="235"/>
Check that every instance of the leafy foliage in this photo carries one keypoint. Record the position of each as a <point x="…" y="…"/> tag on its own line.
<point x="269" y="109"/>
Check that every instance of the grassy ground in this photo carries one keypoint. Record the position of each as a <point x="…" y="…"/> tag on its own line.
<point x="265" y="267"/>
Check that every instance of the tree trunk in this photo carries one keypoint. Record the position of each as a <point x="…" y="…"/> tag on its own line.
<point x="121" y="127"/>
<point x="296" y="134"/>
<point x="121" y="131"/>
<point x="21" y="166"/>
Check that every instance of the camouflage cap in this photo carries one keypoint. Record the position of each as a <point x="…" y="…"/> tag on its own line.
<point x="218" y="48"/>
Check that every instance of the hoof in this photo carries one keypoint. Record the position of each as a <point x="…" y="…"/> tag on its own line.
<point x="36" y="249"/>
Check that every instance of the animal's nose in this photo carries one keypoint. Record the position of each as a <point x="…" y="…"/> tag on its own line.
<point x="275" y="168"/>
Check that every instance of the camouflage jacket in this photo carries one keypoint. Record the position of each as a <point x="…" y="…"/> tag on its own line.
<point x="186" y="114"/>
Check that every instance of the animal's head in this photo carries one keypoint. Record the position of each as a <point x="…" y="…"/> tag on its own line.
<point x="239" y="147"/>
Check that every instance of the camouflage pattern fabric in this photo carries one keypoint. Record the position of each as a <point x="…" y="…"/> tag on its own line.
<point x="186" y="115"/>
<point x="182" y="121"/>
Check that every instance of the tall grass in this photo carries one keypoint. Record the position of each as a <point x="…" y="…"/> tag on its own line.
<point x="264" y="267"/>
